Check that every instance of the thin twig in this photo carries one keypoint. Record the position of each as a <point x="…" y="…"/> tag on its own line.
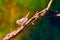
<point x="30" y="21"/>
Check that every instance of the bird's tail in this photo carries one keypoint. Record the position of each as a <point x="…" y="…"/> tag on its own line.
<point x="28" y="14"/>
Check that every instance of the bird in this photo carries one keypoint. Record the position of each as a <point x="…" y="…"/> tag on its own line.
<point x="23" y="20"/>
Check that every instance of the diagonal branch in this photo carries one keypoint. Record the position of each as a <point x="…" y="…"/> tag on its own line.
<point x="29" y="22"/>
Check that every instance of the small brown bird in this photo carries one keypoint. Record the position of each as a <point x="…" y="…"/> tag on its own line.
<point x="23" y="20"/>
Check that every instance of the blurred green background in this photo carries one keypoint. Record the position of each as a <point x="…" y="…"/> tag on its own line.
<point x="12" y="10"/>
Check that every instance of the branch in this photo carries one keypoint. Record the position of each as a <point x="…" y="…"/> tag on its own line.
<point x="29" y="22"/>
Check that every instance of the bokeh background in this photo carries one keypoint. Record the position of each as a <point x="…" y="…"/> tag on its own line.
<point x="48" y="28"/>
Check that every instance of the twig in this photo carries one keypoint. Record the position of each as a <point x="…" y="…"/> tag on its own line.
<point x="30" y="21"/>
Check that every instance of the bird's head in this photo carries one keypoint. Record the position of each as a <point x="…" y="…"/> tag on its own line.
<point x="17" y="22"/>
